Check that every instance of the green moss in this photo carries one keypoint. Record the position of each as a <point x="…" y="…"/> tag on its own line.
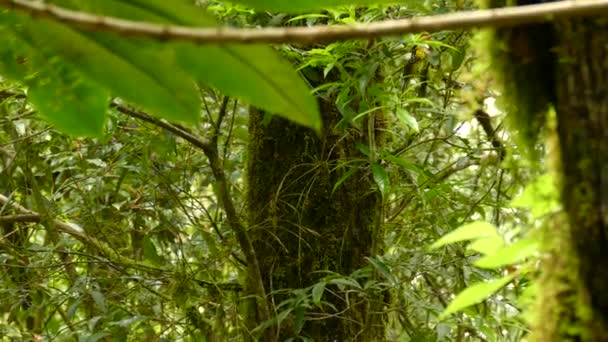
<point x="559" y="309"/>
<point x="523" y="63"/>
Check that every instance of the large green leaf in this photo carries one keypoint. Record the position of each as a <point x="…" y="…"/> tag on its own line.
<point x="73" y="105"/>
<point x="144" y="76"/>
<point x="471" y="231"/>
<point x="254" y="73"/>
<point x="475" y="294"/>
<point x="306" y="5"/>
<point x="510" y="254"/>
<point x="62" y="96"/>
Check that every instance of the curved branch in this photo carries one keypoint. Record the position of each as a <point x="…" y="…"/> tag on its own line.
<point x="210" y="150"/>
<point x="508" y="16"/>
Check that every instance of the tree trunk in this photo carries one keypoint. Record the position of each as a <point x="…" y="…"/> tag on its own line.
<point x="582" y="112"/>
<point x="301" y="226"/>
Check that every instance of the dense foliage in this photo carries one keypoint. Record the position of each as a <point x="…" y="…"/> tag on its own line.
<point x="114" y="224"/>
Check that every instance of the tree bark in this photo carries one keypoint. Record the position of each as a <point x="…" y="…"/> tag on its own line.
<point x="301" y="226"/>
<point x="582" y="112"/>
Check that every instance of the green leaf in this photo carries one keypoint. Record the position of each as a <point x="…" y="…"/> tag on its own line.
<point x="99" y="299"/>
<point x="280" y="317"/>
<point x="345" y="282"/>
<point x="407" y="120"/>
<point x="254" y="73"/>
<point x="475" y="294"/>
<point x="510" y="254"/>
<point x="403" y="163"/>
<point x="94" y="337"/>
<point x="299" y="320"/>
<point x="62" y="96"/>
<point x="471" y="231"/>
<point x="317" y="292"/>
<point x="382" y="268"/>
<point x="13" y="51"/>
<point x="306" y="5"/>
<point x="72" y="104"/>
<point x="150" y="252"/>
<point x="137" y="72"/>
<point x="343" y="179"/>
<point x="541" y="196"/>
<point x="487" y="245"/>
<point x="381" y="178"/>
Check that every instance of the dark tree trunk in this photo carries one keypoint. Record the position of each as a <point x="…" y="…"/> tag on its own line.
<point x="582" y="111"/>
<point x="301" y="227"/>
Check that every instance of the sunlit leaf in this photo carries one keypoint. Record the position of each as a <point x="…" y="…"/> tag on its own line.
<point x="486" y="245"/>
<point x="471" y="231"/>
<point x="475" y="294"/>
<point x="541" y="196"/>
<point x="510" y="254"/>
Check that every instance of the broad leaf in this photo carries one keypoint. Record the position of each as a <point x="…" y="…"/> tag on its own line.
<point x="509" y="255"/>
<point x="475" y="294"/>
<point x="61" y="95"/>
<point x="488" y="245"/>
<point x="134" y="72"/>
<point x="254" y="73"/>
<point x="73" y="105"/>
<point x="471" y="231"/>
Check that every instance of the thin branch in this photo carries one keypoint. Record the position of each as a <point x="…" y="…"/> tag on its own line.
<point x="177" y="130"/>
<point x="486" y="123"/>
<point x="210" y="150"/>
<point x="509" y="16"/>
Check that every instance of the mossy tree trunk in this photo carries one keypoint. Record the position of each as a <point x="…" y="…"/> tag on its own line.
<point x="582" y="111"/>
<point x="301" y="227"/>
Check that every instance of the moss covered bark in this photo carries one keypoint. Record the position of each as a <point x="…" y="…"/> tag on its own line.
<point x="582" y="111"/>
<point x="566" y="65"/>
<point x="301" y="227"/>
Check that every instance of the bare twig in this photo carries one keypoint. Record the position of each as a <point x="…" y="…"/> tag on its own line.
<point x="510" y="16"/>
